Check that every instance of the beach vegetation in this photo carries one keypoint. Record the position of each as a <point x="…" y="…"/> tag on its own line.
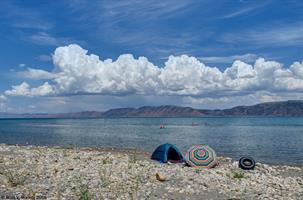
<point x="239" y="175"/>
<point x="14" y="178"/>
<point x="104" y="180"/>
<point x="39" y="152"/>
<point x="105" y="176"/>
<point x="65" y="152"/>
<point x="136" y="181"/>
<point x="133" y="157"/>
<point x="32" y="194"/>
<point x="107" y="160"/>
<point x="84" y="193"/>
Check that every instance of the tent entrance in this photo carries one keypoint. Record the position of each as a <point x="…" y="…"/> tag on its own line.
<point x="167" y="152"/>
<point x="173" y="155"/>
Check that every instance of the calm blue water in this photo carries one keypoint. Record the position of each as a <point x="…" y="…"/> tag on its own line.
<point x="269" y="140"/>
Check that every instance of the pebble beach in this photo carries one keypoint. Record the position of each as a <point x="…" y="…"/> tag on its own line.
<point x="38" y="172"/>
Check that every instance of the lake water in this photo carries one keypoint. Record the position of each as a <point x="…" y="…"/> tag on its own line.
<point x="277" y="140"/>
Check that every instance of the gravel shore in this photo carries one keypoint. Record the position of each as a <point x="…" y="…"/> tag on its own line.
<point x="87" y="173"/>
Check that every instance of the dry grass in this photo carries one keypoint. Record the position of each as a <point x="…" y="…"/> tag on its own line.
<point x="14" y="178"/>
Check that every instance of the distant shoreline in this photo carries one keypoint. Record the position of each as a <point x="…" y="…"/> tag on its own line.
<point x="208" y="116"/>
<point x="291" y="108"/>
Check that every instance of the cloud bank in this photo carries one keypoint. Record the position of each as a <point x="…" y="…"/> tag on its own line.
<point x="76" y="72"/>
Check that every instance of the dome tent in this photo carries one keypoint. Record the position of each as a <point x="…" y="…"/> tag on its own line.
<point x="167" y="152"/>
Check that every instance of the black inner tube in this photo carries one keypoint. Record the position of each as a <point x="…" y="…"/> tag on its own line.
<point x="246" y="163"/>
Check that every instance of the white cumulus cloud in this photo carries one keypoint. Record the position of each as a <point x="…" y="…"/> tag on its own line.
<point x="82" y="73"/>
<point x="24" y="90"/>
<point x="184" y="75"/>
<point x="77" y="72"/>
<point x="37" y="74"/>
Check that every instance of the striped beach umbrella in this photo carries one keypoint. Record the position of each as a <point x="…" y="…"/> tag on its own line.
<point x="201" y="156"/>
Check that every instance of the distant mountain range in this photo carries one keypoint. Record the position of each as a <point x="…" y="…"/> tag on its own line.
<point x="283" y="108"/>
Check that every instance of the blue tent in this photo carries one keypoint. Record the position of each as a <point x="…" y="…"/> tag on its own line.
<point x="167" y="152"/>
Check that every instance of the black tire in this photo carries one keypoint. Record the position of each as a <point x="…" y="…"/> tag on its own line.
<point x="247" y="163"/>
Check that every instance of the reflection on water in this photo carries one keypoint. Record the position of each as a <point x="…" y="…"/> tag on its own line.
<point x="270" y="140"/>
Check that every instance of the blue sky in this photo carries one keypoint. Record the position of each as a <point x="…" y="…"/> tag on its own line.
<point x="214" y="33"/>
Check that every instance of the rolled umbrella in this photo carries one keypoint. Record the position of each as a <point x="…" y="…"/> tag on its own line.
<point x="201" y="156"/>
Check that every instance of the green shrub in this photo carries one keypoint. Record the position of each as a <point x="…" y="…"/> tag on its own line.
<point x="107" y="160"/>
<point x="84" y="192"/>
<point x="239" y="175"/>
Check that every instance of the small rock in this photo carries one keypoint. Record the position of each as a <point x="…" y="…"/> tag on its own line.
<point x="160" y="177"/>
